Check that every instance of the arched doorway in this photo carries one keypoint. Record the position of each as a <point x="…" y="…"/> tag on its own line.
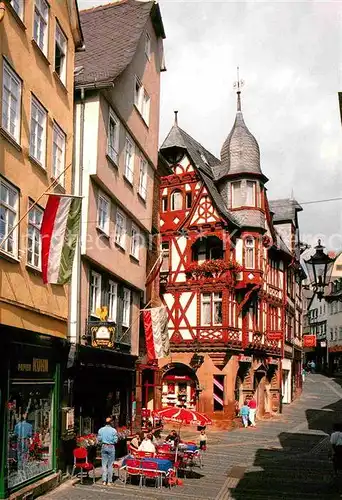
<point x="260" y="388"/>
<point x="179" y="386"/>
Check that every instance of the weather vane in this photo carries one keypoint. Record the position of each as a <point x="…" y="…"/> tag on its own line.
<point x="239" y="83"/>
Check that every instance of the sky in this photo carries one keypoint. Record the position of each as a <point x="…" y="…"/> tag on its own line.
<point x="289" y="54"/>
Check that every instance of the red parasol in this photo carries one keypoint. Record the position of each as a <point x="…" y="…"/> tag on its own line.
<point x="183" y="416"/>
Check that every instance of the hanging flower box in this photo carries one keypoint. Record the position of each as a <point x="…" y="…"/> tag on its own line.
<point x="213" y="269"/>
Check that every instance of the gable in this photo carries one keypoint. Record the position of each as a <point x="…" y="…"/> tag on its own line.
<point x="203" y="211"/>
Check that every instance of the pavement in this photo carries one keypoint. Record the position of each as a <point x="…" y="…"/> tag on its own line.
<point x="286" y="457"/>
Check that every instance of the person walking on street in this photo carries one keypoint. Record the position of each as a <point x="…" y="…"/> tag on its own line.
<point x="244" y="414"/>
<point x="107" y="437"/>
<point x="313" y="366"/>
<point x="252" y="405"/>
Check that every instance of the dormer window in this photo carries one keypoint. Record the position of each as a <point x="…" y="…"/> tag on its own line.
<point x="243" y="194"/>
<point x="176" y="200"/>
<point x="249" y="253"/>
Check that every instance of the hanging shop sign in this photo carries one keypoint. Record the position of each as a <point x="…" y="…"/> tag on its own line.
<point x="275" y="335"/>
<point x="309" y="341"/>
<point x="102" y="335"/>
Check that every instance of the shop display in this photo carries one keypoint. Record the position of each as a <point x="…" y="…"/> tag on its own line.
<point x="179" y="390"/>
<point x="29" y="431"/>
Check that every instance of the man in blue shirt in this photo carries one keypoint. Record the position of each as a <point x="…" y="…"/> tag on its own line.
<point x="107" y="437"/>
<point x="23" y="431"/>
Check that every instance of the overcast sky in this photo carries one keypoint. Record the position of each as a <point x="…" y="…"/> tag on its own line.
<point x="290" y="56"/>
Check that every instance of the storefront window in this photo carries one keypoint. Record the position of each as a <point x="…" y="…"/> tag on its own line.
<point x="29" y="431"/>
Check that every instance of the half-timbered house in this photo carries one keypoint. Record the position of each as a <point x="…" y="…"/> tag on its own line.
<point x="223" y="277"/>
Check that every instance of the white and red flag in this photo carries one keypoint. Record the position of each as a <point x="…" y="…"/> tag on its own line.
<point x="59" y="231"/>
<point x="156" y="332"/>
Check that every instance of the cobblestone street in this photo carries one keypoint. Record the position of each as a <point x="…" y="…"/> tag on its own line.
<point x="286" y="457"/>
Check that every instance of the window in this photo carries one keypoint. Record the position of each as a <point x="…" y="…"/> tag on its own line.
<point x="176" y="200"/>
<point x="95" y="292"/>
<point x="250" y="194"/>
<point x="129" y="160"/>
<point x="103" y="213"/>
<point x="30" y="415"/>
<point x="249" y="253"/>
<point x="113" y="136"/>
<point x="143" y="178"/>
<point x="40" y="25"/>
<point x="126" y="307"/>
<point x="211" y="308"/>
<point x="9" y="211"/>
<point x="33" y="238"/>
<point x="202" y="253"/>
<point x="236" y="194"/>
<point x="135" y="243"/>
<point x="331" y="334"/>
<point x="58" y="154"/>
<point x="60" y="54"/>
<point x="165" y="249"/>
<point x="38" y="132"/>
<point x="11" y="102"/>
<point x="112" y="300"/>
<point x="142" y="100"/>
<point x="18" y="6"/>
<point x="147" y="46"/>
<point x="120" y="229"/>
<point x="188" y="200"/>
<point x="164" y="204"/>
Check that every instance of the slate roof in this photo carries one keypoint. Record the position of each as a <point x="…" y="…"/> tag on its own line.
<point x="204" y="161"/>
<point x="111" y="35"/>
<point x="284" y="210"/>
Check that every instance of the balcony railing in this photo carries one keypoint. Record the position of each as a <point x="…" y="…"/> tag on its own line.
<point x="106" y="334"/>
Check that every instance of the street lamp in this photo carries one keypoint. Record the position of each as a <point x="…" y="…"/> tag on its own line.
<point x="320" y="267"/>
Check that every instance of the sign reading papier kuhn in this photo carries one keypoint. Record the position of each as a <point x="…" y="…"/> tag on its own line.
<point x="156" y="332"/>
<point x="59" y="231"/>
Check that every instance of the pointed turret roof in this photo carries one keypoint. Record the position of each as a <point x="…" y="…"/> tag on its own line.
<point x="240" y="154"/>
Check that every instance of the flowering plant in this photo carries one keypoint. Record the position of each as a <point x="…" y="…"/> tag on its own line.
<point x="123" y="432"/>
<point x="213" y="269"/>
<point x="87" y="440"/>
<point x="36" y="447"/>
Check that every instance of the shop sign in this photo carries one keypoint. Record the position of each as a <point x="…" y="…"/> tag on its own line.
<point x="32" y="368"/>
<point x="245" y="359"/>
<point x="335" y="348"/>
<point x="275" y="335"/>
<point x="102" y="335"/>
<point x="309" y="341"/>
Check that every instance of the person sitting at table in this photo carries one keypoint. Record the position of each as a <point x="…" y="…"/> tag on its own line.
<point x="137" y="440"/>
<point x="173" y="437"/>
<point x="147" y="444"/>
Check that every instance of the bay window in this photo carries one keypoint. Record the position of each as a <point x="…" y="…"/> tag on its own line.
<point x="249" y="253"/>
<point x="243" y="194"/>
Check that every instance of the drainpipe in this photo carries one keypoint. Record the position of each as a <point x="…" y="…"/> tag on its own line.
<point x="2" y="11"/>
<point x="80" y="193"/>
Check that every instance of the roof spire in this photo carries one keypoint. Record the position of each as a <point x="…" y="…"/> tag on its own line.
<point x="176" y="117"/>
<point x="238" y="84"/>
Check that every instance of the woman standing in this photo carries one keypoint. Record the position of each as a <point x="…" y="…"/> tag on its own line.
<point x="252" y="411"/>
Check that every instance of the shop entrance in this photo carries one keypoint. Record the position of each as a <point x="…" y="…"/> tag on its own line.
<point x="179" y="387"/>
<point x="259" y="388"/>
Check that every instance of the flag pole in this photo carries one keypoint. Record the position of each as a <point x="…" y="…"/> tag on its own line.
<point x="34" y="204"/>
<point x="154" y="265"/>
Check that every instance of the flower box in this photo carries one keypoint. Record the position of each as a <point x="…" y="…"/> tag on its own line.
<point x="219" y="269"/>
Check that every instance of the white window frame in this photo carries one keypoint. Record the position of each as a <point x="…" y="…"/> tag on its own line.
<point x="38" y="124"/>
<point x="61" y="42"/>
<point x="236" y="194"/>
<point x="205" y="300"/>
<point x="7" y="208"/>
<point x="41" y="18"/>
<point x="129" y="159"/>
<point x="112" y="300"/>
<point x="174" y="205"/>
<point x="216" y="299"/>
<point x="98" y="292"/>
<point x="103" y="207"/>
<point x="113" y="149"/>
<point x="250" y="190"/>
<point x="18" y="7"/>
<point x="143" y="178"/>
<point x="126" y="307"/>
<point x="11" y="101"/>
<point x="148" y="45"/>
<point x="120" y="229"/>
<point x="58" y="135"/>
<point x="34" y="241"/>
<point x="135" y="241"/>
<point x="142" y="100"/>
<point x="249" y="251"/>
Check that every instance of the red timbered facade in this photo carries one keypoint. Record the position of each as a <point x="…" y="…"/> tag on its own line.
<point x="223" y="277"/>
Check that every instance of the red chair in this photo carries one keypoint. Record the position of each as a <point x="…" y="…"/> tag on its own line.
<point x="164" y="447"/>
<point x="81" y="462"/>
<point x="144" y="454"/>
<point x="150" y="471"/>
<point x="133" y="468"/>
